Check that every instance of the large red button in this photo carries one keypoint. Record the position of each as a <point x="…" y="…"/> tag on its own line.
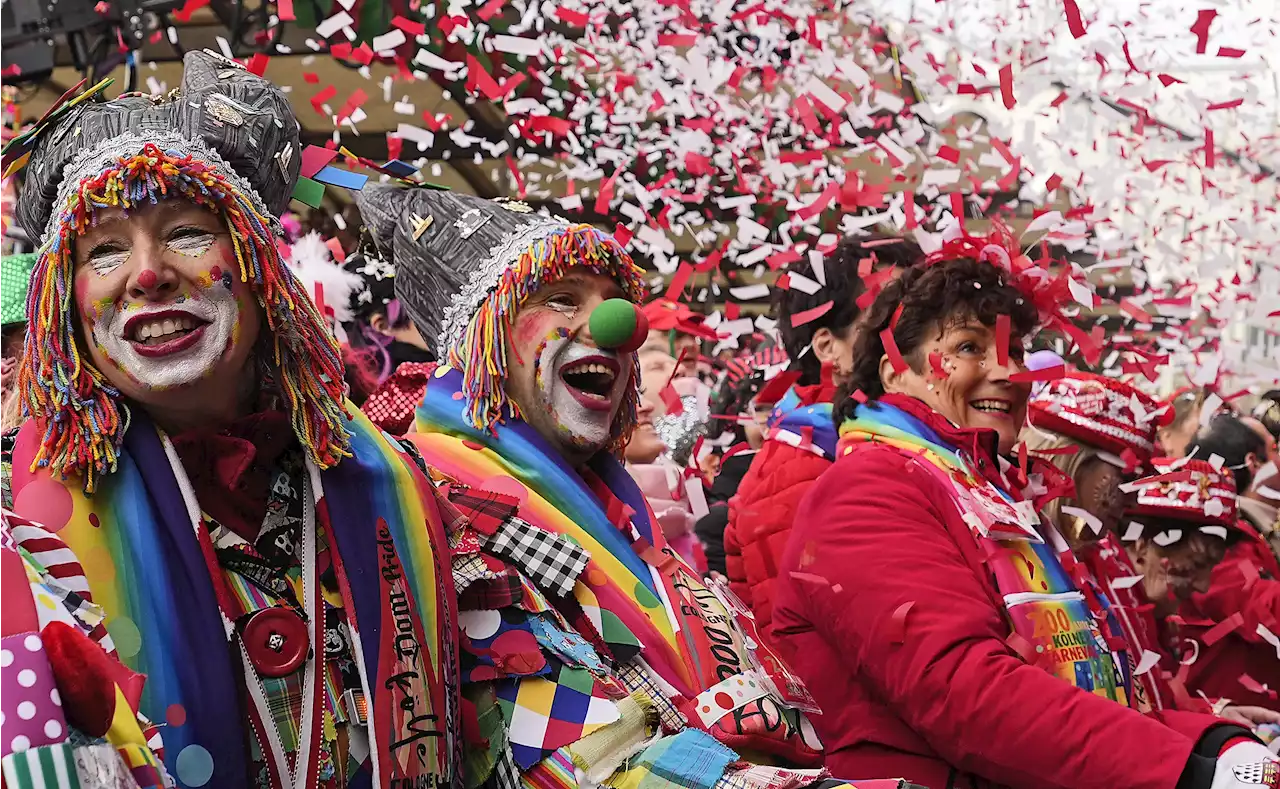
<point x="277" y="641"/>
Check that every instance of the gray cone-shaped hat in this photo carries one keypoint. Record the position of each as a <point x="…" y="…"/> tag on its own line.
<point x="449" y="250"/>
<point x="223" y="115"/>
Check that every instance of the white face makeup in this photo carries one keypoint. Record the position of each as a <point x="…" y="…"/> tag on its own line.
<point x="582" y="388"/>
<point x="192" y="244"/>
<point x="164" y="346"/>
<point x="103" y="263"/>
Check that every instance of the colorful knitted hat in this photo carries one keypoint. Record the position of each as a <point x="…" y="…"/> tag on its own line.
<point x="1101" y="412"/>
<point x="15" y="275"/>
<point x="226" y="140"/>
<point x="1192" y="491"/>
<point x="464" y="267"/>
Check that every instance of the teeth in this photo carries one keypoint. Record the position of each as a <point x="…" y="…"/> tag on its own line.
<point x="991" y="405"/>
<point x="161" y="328"/>
<point x="593" y="367"/>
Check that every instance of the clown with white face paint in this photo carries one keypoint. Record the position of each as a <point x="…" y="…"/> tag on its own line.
<point x="171" y="314"/>
<point x="189" y="439"/>
<point x="524" y="425"/>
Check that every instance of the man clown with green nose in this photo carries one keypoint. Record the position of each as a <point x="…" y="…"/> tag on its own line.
<point x="590" y="652"/>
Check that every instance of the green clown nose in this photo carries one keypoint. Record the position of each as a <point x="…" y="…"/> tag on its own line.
<point x="619" y="325"/>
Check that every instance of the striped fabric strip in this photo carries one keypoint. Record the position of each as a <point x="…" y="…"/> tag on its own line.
<point x="46" y="767"/>
<point x="53" y="555"/>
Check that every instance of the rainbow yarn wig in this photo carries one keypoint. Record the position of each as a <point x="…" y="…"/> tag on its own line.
<point x="464" y="268"/>
<point x="226" y="140"/>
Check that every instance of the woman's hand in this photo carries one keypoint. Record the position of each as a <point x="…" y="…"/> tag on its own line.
<point x="1249" y="717"/>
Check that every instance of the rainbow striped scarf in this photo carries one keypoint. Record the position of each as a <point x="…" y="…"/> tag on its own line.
<point x="515" y="460"/>
<point x="144" y="566"/>
<point x="1050" y="618"/>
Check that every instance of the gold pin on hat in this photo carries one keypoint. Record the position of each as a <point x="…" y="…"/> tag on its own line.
<point x="420" y="225"/>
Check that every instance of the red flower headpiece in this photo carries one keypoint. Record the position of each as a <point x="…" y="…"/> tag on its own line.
<point x="1033" y="279"/>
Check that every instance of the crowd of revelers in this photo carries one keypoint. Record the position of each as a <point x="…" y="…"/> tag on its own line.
<point x="514" y="528"/>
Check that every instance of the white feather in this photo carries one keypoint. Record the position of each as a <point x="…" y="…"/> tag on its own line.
<point x="312" y="263"/>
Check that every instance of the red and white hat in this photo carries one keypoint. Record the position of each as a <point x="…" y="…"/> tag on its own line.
<point x="1186" y="490"/>
<point x="1101" y="412"/>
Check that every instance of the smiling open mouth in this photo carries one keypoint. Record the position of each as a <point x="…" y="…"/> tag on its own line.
<point x="164" y="333"/>
<point x="590" y="380"/>
<point x="1003" y="407"/>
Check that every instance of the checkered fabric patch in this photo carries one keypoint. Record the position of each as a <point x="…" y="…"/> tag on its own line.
<point x="637" y="678"/>
<point x="544" y="714"/>
<point x="492" y="594"/>
<point x="469" y="569"/>
<point x="549" y="560"/>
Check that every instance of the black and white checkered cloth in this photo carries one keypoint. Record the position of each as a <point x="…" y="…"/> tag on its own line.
<point x="549" y="560"/>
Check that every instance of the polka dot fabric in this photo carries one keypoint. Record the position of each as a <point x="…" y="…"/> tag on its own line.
<point x="31" y="707"/>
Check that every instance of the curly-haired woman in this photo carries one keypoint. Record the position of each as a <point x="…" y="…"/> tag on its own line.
<point x="922" y="598"/>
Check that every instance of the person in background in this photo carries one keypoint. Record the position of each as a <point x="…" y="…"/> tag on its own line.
<point x="1100" y="433"/>
<point x="1243" y="591"/>
<point x="800" y="439"/>
<point x="679" y="331"/>
<point x="741" y="417"/>
<point x="649" y="462"/>
<point x="1177" y="434"/>
<point x="922" y="596"/>
<point x="15" y="275"/>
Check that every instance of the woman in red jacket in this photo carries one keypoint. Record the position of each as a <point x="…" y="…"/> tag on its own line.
<point x="801" y="440"/>
<point x="921" y="597"/>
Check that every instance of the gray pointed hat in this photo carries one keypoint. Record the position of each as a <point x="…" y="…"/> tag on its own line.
<point x="465" y="265"/>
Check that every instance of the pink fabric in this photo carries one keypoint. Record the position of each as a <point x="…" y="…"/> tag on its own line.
<point x="671" y="507"/>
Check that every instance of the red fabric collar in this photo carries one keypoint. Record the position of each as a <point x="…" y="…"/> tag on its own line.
<point x="230" y="468"/>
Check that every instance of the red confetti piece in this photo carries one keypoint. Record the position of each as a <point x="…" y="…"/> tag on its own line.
<point x="949" y="154"/>
<point x="891" y="350"/>
<point x="1075" y="23"/>
<point x="622" y="234"/>
<point x="678" y="281"/>
<point x="324" y="95"/>
<point x="1201" y="28"/>
<point x="188" y="8"/>
<point x="909" y="208"/>
<point x="491" y="9"/>
<point x="335" y="246"/>
<point x="1054" y="182"/>
<point x="893" y="322"/>
<point x="1167" y="80"/>
<point x="311" y="78"/>
<point x="677" y="39"/>
<point x="779" y="259"/>
<point x="671" y="399"/>
<point x="410" y="27"/>
<point x="859" y="396"/>
<point x="1002" y="339"/>
<point x="478" y="78"/>
<point x="935" y="363"/>
<point x="1047" y="374"/>
<point x="284" y="9"/>
<point x="805" y="316"/>
<point x="1230" y="52"/>
<point x="1226" y="105"/>
<point x="1224" y="628"/>
<point x="898" y="623"/>
<point x="1006" y="86"/>
<point x="258" y="64"/>
<point x="1134" y="311"/>
<point x="569" y="17"/>
<point x="773" y="391"/>
<point x="783" y="282"/>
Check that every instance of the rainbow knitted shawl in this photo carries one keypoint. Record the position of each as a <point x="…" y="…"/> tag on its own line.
<point x="144" y="566"/>
<point x="515" y="460"/>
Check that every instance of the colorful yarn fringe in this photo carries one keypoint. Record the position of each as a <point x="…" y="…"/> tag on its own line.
<point x="483" y="355"/>
<point x="76" y="406"/>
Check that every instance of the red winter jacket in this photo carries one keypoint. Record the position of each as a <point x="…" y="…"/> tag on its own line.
<point x="1239" y="661"/>
<point x="760" y="518"/>
<point x="932" y="692"/>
